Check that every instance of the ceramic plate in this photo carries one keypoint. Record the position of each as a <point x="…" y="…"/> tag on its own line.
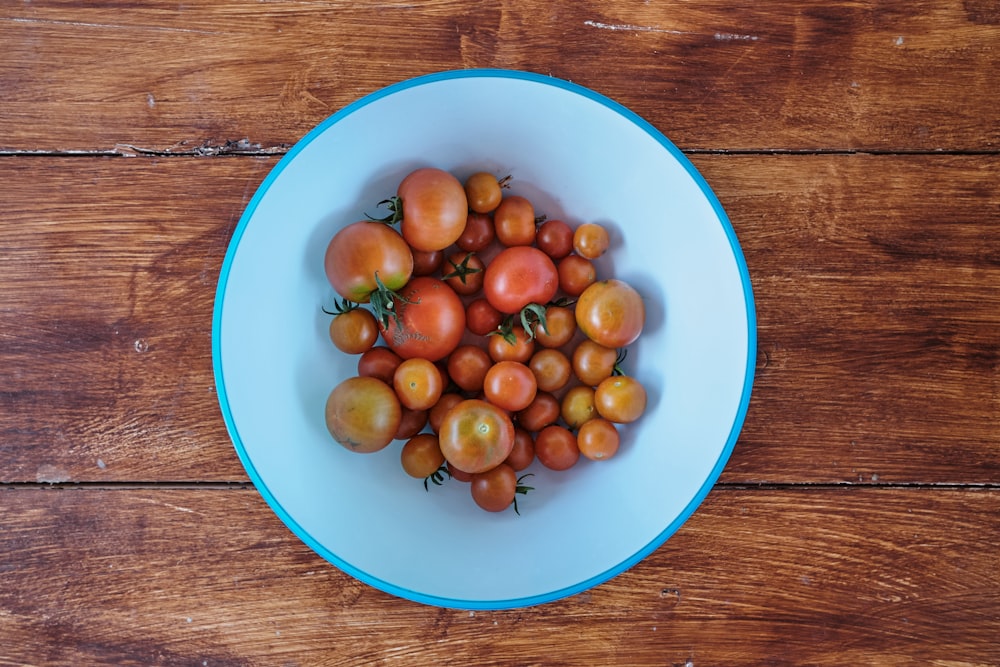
<point x="578" y="156"/>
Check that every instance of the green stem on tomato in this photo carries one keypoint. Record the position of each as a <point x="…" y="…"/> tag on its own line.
<point x="395" y="206"/>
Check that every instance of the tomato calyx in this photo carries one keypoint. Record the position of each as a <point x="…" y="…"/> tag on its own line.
<point x="437" y="477"/>
<point x="462" y="269"/>
<point x="384" y="302"/>
<point x="341" y="306"/>
<point x="521" y="489"/>
<point x="395" y="206"/>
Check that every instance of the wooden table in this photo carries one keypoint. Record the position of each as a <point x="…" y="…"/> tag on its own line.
<point x="856" y="148"/>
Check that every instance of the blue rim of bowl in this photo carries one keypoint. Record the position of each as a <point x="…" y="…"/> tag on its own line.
<point x="567" y="591"/>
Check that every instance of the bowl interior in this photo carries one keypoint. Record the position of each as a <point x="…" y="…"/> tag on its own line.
<point x="577" y="156"/>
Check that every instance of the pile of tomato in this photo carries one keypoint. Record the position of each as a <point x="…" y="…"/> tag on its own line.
<point x="486" y="339"/>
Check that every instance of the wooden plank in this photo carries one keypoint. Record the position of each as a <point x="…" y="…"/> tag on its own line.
<point x="794" y="576"/>
<point x="805" y="75"/>
<point x="875" y="283"/>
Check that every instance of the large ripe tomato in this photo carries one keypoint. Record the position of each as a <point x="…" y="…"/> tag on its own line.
<point x="476" y="436"/>
<point x="611" y="312"/>
<point x="434" y="208"/>
<point x="518" y="276"/>
<point x="362" y="250"/>
<point x="363" y="414"/>
<point x="429" y="320"/>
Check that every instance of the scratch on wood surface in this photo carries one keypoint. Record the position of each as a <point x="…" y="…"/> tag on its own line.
<point x="113" y="26"/>
<point x="173" y="507"/>
<point x="629" y="27"/>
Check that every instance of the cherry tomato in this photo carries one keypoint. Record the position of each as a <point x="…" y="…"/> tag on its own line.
<point x="463" y="271"/>
<point x="478" y="234"/>
<point x="611" y="312"/>
<point x="555" y="238"/>
<point x="457" y="474"/>
<point x="592" y="362"/>
<point x="495" y="489"/>
<point x="421" y="456"/>
<point x="620" y="399"/>
<point x="514" y="221"/>
<point x="502" y="348"/>
<point x="436" y="415"/>
<point x="427" y="262"/>
<point x="467" y="367"/>
<point x="541" y="412"/>
<point x="518" y="276"/>
<point x="523" y="452"/>
<point x="359" y="251"/>
<point x="482" y="318"/>
<point x="510" y="385"/>
<point x="354" y="331"/>
<point x="476" y="436"/>
<point x="598" y="439"/>
<point x="556" y="448"/>
<point x="591" y="240"/>
<point x="363" y="414"/>
<point x="434" y="209"/>
<point x="551" y="368"/>
<point x="482" y="189"/>
<point x="412" y="422"/>
<point x="560" y="326"/>
<point x="417" y="383"/>
<point x="576" y="274"/>
<point x="578" y="406"/>
<point x="430" y="323"/>
<point x="380" y="363"/>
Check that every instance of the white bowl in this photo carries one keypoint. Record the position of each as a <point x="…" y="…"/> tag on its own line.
<point x="578" y="156"/>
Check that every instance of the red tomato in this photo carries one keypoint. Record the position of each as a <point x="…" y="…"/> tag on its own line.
<point x="427" y="262"/>
<point x="514" y="221"/>
<point x="611" y="312"/>
<point x="430" y="320"/>
<point x="363" y="414"/>
<point x="494" y="490"/>
<point x="576" y="274"/>
<point x="555" y="238"/>
<point x="463" y="271"/>
<point x="359" y="251"/>
<point x="523" y="452"/>
<point x="434" y="208"/>
<point x="519" y="347"/>
<point x="556" y="448"/>
<point x="478" y="233"/>
<point x="518" y="276"/>
<point x="468" y="365"/>
<point x="482" y="318"/>
<point x="510" y="385"/>
<point x="379" y="362"/>
<point x="476" y="436"/>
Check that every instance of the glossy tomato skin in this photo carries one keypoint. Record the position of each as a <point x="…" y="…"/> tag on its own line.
<point x="611" y="312"/>
<point x="518" y="276"/>
<point x="363" y="414"/>
<point x="359" y="251"/>
<point x="434" y="208"/>
<point x="510" y="385"/>
<point x="476" y="436"/>
<point x="556" y="448"/>
<point x="354" y="331"/>
<point x="431" y="320"/>
<point x="494" y="490"/>
<point x="482" y="318"/>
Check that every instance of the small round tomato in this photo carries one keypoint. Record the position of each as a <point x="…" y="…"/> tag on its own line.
<point x="555" y="238"/>
<point x="578" y="406"/>
<point x="620" y="399"/>
<point x="361" y="250"/>
<point x="479" y="233"/>
<point x="560" y="326"/>
<point x="556" y="448"/>
<point x="517" y="345"/>
<point x="427" y="262"/>
<point x="523" y="452"/>
<point x="482" y="318"/>
<point x="463" y="271"/>
<point x="552" y="369"/>
<point x="514" y="221"/>
<point x="379" y="362"/>
<point x="429" y="320"/>
<point x="576" y="274"/>
<point x="434" y="208"/>
<point x="592" y="362"/>
<point x="591" y="240"/>
<point x="436" y="415"/>
<point x="510" y="385"/>
<point x="518" y="276"/>
<point x="482" y="189"/>
<point x="363" y="414"/>
<point x="421" y="456"/>
<point x="412" y="422"/>
<point x="542" y="411"/>
<point x="598" y="439"/>
<point x="354" y="331"/>
<point x="476" y="436"/>
<point x="417" y="383"/>
<point x="467" y="367"/>
<point x="495" y="489"/>
<point x="611" y="312"/>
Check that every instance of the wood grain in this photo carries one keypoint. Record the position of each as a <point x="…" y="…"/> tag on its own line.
<point x="242" y="75"/>
<point x="194" y="577"/>
<point x="878" y="316"/>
